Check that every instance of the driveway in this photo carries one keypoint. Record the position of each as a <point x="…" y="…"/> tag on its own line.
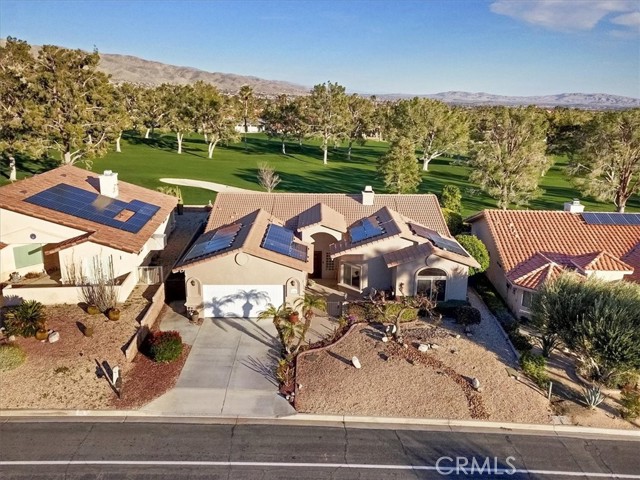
<point x="229" y="372"/>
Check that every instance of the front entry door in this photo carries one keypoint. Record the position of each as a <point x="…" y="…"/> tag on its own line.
<point x="317" y="265"/>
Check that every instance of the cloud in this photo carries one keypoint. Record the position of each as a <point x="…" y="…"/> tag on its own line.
<point x="569" y="15"/>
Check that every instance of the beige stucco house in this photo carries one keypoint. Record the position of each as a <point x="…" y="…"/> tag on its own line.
<point x="261" y="248"/>
<point x="529" y="247"/>
<point x="66" y="223"/>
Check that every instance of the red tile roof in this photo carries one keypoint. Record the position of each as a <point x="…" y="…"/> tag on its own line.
<point x="12" y="197"/>
<point x="561" y="237"/>
<point x="230" y="206"/>
<point x="423" y="250"/>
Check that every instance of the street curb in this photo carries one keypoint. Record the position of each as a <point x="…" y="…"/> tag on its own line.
<point x="130" y="416"/>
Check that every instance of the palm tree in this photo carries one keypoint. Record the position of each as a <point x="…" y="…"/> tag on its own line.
<point x="246" y="97"/>
<point x="289" y="331"/>
<point x="307" y="305"/>
<point x="279" y="316"/>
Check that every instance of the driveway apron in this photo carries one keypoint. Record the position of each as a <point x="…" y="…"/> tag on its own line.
<point x="229" y="372"/>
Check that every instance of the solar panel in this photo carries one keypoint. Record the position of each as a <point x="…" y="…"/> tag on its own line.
<point x="439" y="241"/>
<point x="94" y="207"/>
<point x="365" y="229"/>
<point x="281" y="240"/>
<point x="611" y="218"/>
<point x="221" y="240"/>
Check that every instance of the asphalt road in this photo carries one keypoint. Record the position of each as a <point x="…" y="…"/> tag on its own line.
<point x="108" y="450"/>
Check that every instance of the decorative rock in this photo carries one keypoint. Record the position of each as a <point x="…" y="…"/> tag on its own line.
<point x="404" y="345"/>
<point x="356" y="362"/>
<point x="435" y="346"/>
<point x="53" y="337"/>
<point x="457" y="335"/>
<point x="469" y="334"/>
<point x="423" y="348"/>
<point x="12" y="338"/>
<point x="454" y="351"/>
<point x="385" y="339"/>
<point x="393" y="329"/>
<point x="475" y="383"/>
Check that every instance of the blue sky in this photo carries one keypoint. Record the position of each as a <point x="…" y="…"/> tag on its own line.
<point x="509" y="47"/>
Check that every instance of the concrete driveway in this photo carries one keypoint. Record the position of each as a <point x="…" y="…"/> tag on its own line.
<point x="229" y="372"/>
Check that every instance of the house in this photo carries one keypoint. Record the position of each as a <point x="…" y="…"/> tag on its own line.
<point x="262" y="248"/>
<point x="67" y="224"/>
<point x="529" y="247"/>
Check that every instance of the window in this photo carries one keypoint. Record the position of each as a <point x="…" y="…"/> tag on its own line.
<point x="28" y="255"/>
<point x="527" y="298"/>
<point x="432" y="283"/>
<point x="351" y="275"/>
<point x="328" y="262"/>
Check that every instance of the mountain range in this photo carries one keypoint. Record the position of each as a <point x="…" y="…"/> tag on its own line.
<point x="127" y="68"/>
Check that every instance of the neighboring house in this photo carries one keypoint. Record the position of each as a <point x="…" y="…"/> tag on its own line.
<point x="251" y="128"/>
<point x="261" y="248"/>
<point x="529" y="247"/>
<point x="68" y="223"/>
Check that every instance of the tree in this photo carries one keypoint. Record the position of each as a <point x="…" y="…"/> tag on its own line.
<point x="21" y="116"/>
<point x="267" y="177"/>
<point x="598" y="320"/>
<point x="508" y="154"/>
<point x="283" y="119"/>
<point x="359" y="120"/>
<point x="566" y="127"/>
<point x="434" y="126"/>
<point x="399" y="169"/>
<point x="327" y="115"/>
<point x="217" y="114"/>
<point x="477" y="250"/>
<point x="128" y="97"/>
<point x="78" y="103"/>
<point x="246" y="98"/>
<point x="152" y="107"/>
<point x="308" y="304"/>
<point x="609" y="157"/>
<point x="180" y="110"/>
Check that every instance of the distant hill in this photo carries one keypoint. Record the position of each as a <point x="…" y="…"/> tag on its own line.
<point x="576" y="100"/>
<point x="127" y="68"/>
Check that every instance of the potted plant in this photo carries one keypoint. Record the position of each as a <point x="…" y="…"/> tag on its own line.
<point x="194" y="315"/>
<point x="294" y="316"/>
<point x="113" y="313"/>
<point x="88" y="330"/>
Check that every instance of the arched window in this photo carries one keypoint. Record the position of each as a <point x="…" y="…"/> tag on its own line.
<point x="431" y="282"/>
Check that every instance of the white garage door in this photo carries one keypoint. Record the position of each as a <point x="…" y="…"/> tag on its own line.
<point x="245" y="301"/>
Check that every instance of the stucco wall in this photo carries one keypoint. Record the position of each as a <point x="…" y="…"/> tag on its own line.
<point x="242" y="270"/>
<point x="457" y="276"/>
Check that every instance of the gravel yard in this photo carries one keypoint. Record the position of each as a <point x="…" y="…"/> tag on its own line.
<point x="435" y="384"/>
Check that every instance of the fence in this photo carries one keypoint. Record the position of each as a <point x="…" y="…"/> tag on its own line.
<point x="150" y="275"/>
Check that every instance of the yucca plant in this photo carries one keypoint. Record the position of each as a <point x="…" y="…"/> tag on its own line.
<point x="548" y="343"/>
<point x="26" y="319"/>
<point x="592" y="396"/>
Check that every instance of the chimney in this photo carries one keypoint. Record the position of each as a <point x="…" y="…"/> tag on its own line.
<point x="109" y="184"/>
<point x="574" y="207"/>
<point x="367" y="195"/>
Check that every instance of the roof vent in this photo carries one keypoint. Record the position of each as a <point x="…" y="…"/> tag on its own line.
<point x="367" y="195"/>
<point x="109" y="184"/>
<point x="574" y="207"/>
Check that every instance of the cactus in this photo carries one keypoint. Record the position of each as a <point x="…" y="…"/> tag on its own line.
<point x="592" y="396"/>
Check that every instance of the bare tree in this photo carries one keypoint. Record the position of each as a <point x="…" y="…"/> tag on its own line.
<point x="267" y="177"/>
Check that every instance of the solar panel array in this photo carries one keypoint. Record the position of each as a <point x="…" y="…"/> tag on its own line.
<point x="93" y="207"/>
<point x="281" y="240"/>
<point x="604" y="218"/>
<point x="439" y="241"/>
<point x="221" y="240"/>
<point x="365" y="229"/>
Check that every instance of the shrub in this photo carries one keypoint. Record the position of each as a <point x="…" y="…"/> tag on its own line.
<point x="454" y="221"/>
<point x="357" y="311"/>
<point x="477" y="250"/>
<point x="592" y="397"/>
<point x="467" y="315"/>
<point x="534" y="366"/>
<point x="165" y="346"/>
<point x="520" y="342"/>
<point x="11" y="357"/>
<point x="25" y="319"/>
<point x="451" y="198"/>
<point x="448" y="307"/>
<point x="630" y="401"/>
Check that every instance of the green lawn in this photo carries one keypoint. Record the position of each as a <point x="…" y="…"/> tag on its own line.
<point x="143" y="162"/>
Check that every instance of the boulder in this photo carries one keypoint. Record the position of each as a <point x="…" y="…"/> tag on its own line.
<point x="356" y="362"/>
<point x="423" y="348"/>
<point x="12" y="338"/>
<point x="385" y="339"/>
<point x="435" y="346"/>
<point x="475" y="383"/>
<point x="53" y="337"/>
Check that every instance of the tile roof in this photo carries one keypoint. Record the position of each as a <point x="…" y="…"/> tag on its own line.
<point x="251" y="230"/>
<point x="422" y="250"/>
<point x="560" y="237"/>
<point x="229" y="206"/>
<point x="12" y="197"/>
<point x="85" y="237"/>
<point x="535" y="271"/>
<point x="321" y="214"/>
<point x="600" y="261"/>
